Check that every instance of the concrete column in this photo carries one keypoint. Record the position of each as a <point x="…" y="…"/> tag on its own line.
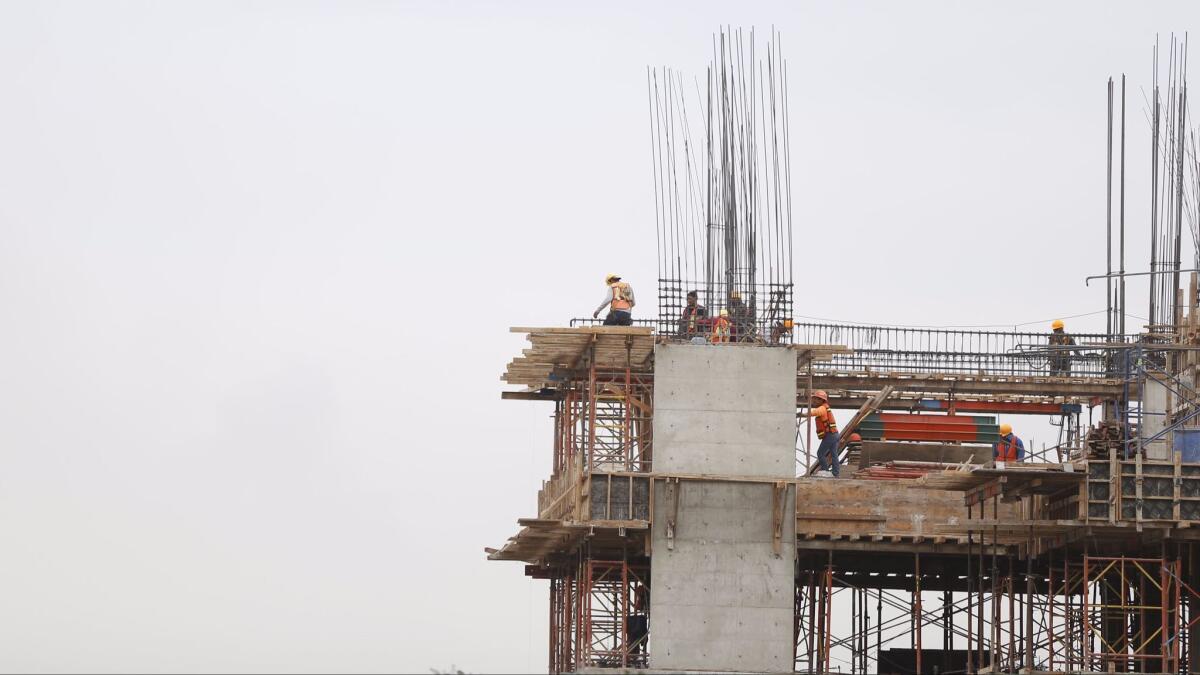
<point x="721" y="598"/>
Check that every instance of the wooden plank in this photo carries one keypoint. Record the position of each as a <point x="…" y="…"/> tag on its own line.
<point x="552" y="395"/>
<point x="867" y="408"/>
<point x="1177" y="479"/>
<point x="1078" y="390"/>
<point x="1137" y="482"/>
<point x="1114" y="486"/>
<point x="842" y="516"/>
<point x="584" y="330"/>
<point x="887" y="451"/>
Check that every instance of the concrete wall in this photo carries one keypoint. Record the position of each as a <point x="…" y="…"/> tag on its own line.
<point x="721" y="599"/>
<point x="725" y="409"/>
<point x="1155" y="402"/>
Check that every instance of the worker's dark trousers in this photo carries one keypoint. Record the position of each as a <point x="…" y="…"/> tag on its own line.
<point x="618" y="318"/>
<point x="827" y="452"/>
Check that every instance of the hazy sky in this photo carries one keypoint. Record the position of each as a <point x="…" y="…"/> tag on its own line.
<point x="258" y="262"/>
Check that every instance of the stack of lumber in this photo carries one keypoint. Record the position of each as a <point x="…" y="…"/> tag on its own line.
<point x="563" y="349"/>
<point x="900" y="470"/>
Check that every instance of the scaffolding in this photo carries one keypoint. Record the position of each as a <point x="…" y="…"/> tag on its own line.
<point x="599" y="615"/>
<point x="1087" y="614"/>
<point x="1013" y="584"/>
<point x="946" y="561"/>
<point x="604" y="422"/>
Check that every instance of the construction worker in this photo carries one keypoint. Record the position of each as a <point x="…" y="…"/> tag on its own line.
<point x="637" y="625"/>
<point x="1010" y="448"/>
<point x="619" y="300"/>
<point x="780" y="329"/>
<point x="742" y="318"/>
<point x="720" y="329"/>
<point x="1060" y="359"/>
<point x="827" y="452"/>
<point x="854" y="448"/>
<point x="693" y="312"/>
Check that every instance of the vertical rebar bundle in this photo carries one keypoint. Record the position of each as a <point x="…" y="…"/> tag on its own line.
<point x="722" y="187"/>
<point x="1174" y="186"/>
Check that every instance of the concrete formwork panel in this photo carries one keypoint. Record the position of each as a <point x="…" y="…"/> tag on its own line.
<point x="721" y="598"/>
<point x="725" y="409"/>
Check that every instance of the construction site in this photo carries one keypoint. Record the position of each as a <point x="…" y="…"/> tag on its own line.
<point x="688" y="523"/>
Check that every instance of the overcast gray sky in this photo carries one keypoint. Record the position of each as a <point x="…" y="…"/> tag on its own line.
<point x="258" y="262"/>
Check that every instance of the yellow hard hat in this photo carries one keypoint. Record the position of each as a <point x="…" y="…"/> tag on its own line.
<point x="1005" y="429"/>
<point x="1058" y="324"/>
<point x="611" y="278"/>
<point x="724" y="312"/>
<point x="787" y="324"/>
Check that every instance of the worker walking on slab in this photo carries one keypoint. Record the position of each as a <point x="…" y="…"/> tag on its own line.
<point x="1060" y="359"/>
<point x="619" y="300"/>
<point x="1010" y="448"/>
<point x="827" y="451"/>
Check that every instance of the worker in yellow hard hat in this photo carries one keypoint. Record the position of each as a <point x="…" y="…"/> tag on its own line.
<point x="619" y="299"/>
<point x="1010" y="448"/>
<point x="1060" y="352"/>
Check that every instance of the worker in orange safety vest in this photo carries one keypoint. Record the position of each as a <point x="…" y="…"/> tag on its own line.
<point x="619" y="300"/>
<point x="693" y="312"/>
<point x="827" y="452"/>
<point x="720" y="329"/>
<point x="1010" y="448"/>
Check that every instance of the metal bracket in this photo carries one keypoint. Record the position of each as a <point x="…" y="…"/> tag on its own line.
<point x="778" y="502"/>
<point x="673" y="488"/>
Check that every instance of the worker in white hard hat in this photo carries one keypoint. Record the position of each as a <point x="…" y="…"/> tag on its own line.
<point x="619" y="299"/>
<point x="1010" y="448"/>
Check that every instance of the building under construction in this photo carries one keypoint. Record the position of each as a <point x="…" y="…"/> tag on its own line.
<point x="685" y="527"/>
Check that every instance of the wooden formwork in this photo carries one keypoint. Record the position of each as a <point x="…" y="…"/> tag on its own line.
<point x="1139" y="490"/>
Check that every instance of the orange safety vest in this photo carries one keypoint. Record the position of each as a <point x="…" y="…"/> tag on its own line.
<point x="1007" y="453"/>
<point x="825" y="422"/>
<point x="720" y="331"/>
<point x="619" y="303"/>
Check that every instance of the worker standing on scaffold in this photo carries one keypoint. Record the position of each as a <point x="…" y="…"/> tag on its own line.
<point x="619" y="300"/>
<point x="827" y="452"/>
